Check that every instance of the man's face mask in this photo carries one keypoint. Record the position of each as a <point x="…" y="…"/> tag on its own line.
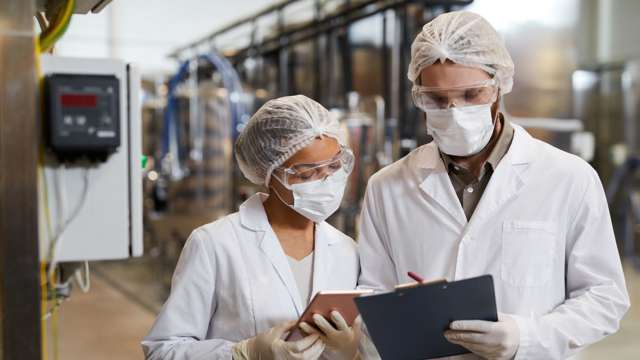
<point x="460" y="118"/>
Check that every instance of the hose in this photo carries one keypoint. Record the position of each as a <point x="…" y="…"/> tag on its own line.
<point x="171" y="130"/>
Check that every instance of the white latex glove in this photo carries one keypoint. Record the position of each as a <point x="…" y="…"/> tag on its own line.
<point x="490" y="340"/>
<point x="342" y="341"/>
<point x="269" y="345"/>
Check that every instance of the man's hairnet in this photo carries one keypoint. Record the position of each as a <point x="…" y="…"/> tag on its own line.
<point x="467" y="39"/>
<point x="279" y="129"/>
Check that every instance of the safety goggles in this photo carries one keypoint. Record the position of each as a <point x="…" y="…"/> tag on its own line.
<point x="428" y="98"/>
<point x="301" y="173"/>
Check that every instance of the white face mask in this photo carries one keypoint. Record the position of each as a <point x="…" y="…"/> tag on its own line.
<point x="461" y="131"/>
<point x="317" y="200"/>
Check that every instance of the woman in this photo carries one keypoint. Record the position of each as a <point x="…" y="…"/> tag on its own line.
<point x="243" y="280"/>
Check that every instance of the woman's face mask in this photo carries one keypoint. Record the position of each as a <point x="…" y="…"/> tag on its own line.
<point x="317" y="189"/>
<point x="317" y="200"/>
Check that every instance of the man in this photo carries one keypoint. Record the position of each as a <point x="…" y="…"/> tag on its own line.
<point x="486" y="198"/>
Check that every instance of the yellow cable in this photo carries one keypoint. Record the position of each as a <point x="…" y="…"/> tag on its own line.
<point x="40" y="79"/>
<point x="44" y="284"/>
<point x="43" y="43"/>
<point x="54" y="325"/>
<point x="43" y="309"/>
<point x="57" y="27"/>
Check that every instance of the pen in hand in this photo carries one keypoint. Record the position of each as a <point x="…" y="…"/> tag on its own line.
<point x="415" y="276"/>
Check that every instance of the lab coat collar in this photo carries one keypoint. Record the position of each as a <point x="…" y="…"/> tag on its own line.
<point x="324" y="234"/>
<point x="437" y="185"/>
<point x="508" y="178"/>
<point x="521" y="151"/>
<point x="254" y="217"/>
<point x="505" y="182"/>
<point x="321" y="257"/>
<point x="321" y="262"/>
<point x="269" y="244"/>
<point x="252" y="214"/>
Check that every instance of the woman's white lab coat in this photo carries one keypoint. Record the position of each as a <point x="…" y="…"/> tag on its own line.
<point x="233" y="281"/>
<point x="542" y="229"/>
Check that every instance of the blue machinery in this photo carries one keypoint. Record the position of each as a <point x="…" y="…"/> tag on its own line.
<point x="171" y="152"/>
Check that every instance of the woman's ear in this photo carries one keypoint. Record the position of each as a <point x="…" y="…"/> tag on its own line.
<point x="278" y="190"/>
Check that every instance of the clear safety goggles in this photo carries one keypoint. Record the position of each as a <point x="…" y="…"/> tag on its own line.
<point x="429" y="98"/>
<point x="301" y="173"/>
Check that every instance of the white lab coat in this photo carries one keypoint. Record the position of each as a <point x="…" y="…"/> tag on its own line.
<point x="542" y="230"/>
<point x="233" y="281"/>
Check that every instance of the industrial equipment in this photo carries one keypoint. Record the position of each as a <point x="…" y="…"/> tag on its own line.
<point x="81" y="115"/>
<point x="91" y="188"/>
<point x="350" y="56"/>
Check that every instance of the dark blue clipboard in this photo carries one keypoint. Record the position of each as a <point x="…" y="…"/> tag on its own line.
<point x="409" y="323"/>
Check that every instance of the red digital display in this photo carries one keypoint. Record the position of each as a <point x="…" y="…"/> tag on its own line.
<point x="79" y="100"/>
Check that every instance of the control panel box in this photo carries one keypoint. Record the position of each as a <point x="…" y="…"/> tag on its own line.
<point x="82" y="115"/>
<point x="91" y="189"/>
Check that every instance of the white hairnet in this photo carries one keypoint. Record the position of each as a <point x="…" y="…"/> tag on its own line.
<point x="279" y="129"/>
<point x="467" y="39"/>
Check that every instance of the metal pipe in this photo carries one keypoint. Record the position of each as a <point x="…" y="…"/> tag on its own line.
<point x="384" y="57"/>
<point x="316" y="54"/>
<point x="347" y="62"/>
<point x="242" y="21"/>
<point x="335" y="22"/>
<point x="326" y="24"/>
<point x="283" y="59"/>
<point x="196" y="127"/>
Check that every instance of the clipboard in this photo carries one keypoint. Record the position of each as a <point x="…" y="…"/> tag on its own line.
<point x="409" y="323"/>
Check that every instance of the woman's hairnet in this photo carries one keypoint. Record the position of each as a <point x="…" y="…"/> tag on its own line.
<point x="467" y="39"/>
<point x="279" y="129"/>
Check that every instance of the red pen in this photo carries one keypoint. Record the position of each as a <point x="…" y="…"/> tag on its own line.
<point x="415" y="276"/>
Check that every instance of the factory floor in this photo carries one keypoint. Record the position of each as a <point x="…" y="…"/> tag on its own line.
<point x="102" y="324"/>
<point x="108" y="323"/>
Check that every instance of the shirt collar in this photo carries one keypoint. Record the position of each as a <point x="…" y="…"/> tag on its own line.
<point x="503" y="143"/>
<point x="497" y="153"/>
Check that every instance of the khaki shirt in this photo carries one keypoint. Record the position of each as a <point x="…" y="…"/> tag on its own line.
<point x="469" y="188"/>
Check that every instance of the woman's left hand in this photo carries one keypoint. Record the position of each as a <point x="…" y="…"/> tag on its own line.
<point x="342" y="341"/>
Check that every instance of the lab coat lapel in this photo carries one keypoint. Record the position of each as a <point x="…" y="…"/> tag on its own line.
<point x="508" y="178"/>
<point x="253" y="217"/>
<point x="505" y="184"/>
<point x="272" y="248"/>
<point x="321" y="259"/>
<point x="437" y="185"/>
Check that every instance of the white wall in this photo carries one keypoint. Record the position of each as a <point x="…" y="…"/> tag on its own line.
<point x="145" y="31"/>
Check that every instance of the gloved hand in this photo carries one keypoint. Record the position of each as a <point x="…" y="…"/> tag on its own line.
<point x="269" y="345"/>
<point x="490" y="340"/>
<point x="342" y="341"/>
